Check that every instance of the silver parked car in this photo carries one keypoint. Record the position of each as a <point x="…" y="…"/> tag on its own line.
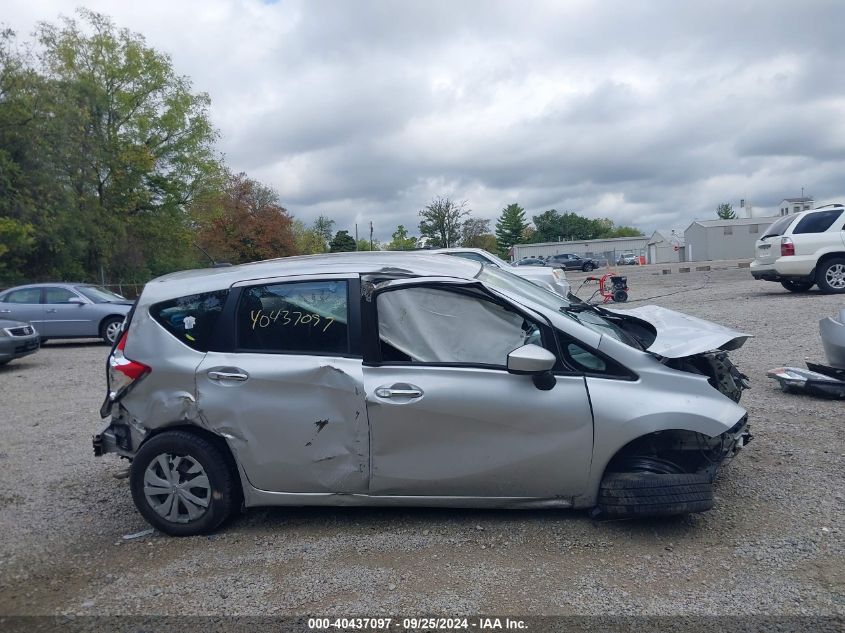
<point x="411" y="379"/>
<point x="17" y="340"/>
<point x="62" y="310"/>
<point x="551" y="278"/>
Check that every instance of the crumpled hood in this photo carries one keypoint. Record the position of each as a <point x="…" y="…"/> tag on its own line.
<point x="680" y="335"/>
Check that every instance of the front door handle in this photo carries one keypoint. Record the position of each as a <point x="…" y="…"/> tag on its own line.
<point x="406" y="391"/>
<point x="228" y="375"/>
<point x="6" y="311"/>
<point x="50" y="310"/>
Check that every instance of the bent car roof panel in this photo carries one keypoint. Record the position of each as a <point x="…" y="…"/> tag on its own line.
<point x="206" y="279"/>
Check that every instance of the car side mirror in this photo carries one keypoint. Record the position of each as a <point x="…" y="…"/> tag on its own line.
<point x="535" y="361"/>
<point x="76" y="300"/>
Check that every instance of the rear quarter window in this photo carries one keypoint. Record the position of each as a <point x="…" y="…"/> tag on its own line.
<point x="191" y="318"/>
<point x="817" y="222"/>
<point x="779" y="227"/>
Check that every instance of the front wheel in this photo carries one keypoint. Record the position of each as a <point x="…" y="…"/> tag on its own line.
<point x="587" y="267"/>
<point x="182" y="484"/>
<point x="831" y="276"/>
<point x="797" y="286"/>
<point x="110" y="329"/>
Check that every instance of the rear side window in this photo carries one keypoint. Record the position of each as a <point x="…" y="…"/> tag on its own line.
<point x="191" y="318"/>
<point x="28" y="295"/>
<point x="779" y="226"/>
<point x="817" y="222"/>
<point x="308" y="317"/>
<point x="58" y="295"/>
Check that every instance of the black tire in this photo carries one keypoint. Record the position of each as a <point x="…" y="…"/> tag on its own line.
<point x="797" y="286"/>
<point x="587" y="267"/>
<point x="222" y="492"/>
<point x="110" y="329"/>
<point x="652" y="495"/>
<point x="620" y="296"/>
<point x="829" y="276"/>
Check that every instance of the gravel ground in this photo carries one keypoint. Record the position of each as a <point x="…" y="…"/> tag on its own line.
<point x="773" y="544"/>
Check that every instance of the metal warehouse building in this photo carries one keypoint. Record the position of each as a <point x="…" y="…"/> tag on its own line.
<point x="609" y="249"/>
<point x="665" y="247"/>
<point x="724" y="239"/>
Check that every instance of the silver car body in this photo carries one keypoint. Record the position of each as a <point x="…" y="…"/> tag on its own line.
<point x="345" y="430"/>
<point x="549" y="277"/>
<point x="62" y="310"/>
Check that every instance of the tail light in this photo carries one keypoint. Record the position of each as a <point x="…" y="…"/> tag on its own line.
<point x="787" y="248"/>
<point x="123" y="372"/>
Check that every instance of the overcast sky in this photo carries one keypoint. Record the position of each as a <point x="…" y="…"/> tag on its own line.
<point x="648" y="113"/>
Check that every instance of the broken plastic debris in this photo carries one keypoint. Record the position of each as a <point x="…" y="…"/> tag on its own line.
<point x="128" y="537"/>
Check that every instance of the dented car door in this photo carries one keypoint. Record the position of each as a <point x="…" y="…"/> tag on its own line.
<point x="289" y="398"/>
<point x="446" y="417"/>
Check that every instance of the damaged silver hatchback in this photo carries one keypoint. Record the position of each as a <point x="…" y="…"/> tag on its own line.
<point x="411" y="379"/>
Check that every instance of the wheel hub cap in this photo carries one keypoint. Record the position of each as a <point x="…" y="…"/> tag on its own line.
<point x="177" y="488"/>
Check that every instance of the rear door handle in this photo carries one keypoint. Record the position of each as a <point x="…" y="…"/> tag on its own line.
<point x="228" y="375"/>
<point x="5" y="311"/>
<point x="50" y="310"/>
<point x="408" y="391"/>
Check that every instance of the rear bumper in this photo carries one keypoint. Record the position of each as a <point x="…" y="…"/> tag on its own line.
<point x="785" y="269"/>
<point x="114" y="437"/>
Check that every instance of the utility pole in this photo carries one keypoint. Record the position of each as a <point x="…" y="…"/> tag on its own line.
<point x="371" y="235"/>
<point x="356" y="236"/>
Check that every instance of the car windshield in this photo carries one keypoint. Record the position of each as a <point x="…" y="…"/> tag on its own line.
<point x="778" y="227"/>
<point x="504" y="280"/>
<point x="98" y="294"/>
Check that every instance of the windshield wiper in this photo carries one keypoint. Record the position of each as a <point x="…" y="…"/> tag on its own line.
<point x="580" y="307"/>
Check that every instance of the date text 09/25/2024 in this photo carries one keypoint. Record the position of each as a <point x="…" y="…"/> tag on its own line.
<point x="417" y="624"/>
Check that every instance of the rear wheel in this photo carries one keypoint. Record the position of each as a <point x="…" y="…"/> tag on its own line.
<point x="797" y="286"/>
<point x="649" y="494"/>
<point x="110" y="329"/>
<point x="831" y="276"/>
<point x="587" y="267"/>
<point x="182" y="484"/>
<point x="620" y="296"/>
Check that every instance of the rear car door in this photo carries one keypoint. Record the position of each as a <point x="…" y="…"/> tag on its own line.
<point x="818" y="232"/>
<point x="287" y="389"/>
<point x="23" y="305"/>
<point x="64" y="318"/>
<point x="447" y="419"/>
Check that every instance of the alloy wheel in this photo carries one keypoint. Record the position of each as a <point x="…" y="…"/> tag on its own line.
<point x="112" y="330"/>
<point x="835" y="276"/>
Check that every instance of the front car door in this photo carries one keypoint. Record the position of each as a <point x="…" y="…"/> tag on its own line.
<point x="447" y="419"/>
<point x="287" y="391"/>
<point x="63" y="318"/>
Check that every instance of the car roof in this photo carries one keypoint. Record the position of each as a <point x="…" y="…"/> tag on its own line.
<point x="48" y="284"/>
<point x="416" y="263"/>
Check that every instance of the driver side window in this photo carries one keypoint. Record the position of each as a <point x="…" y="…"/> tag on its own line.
<point x="431" y="325"/>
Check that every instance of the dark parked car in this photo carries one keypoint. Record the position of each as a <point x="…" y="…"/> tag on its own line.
<point x="570" y="261"/>
<point x="66" y="310"/>
<point x="530" y="261"/>
<point x="17" y="339"/>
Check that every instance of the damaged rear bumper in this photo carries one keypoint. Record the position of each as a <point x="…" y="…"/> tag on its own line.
<point x="115" y="437"/>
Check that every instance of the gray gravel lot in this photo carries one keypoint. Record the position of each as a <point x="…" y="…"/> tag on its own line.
<point x="773" y="544"/>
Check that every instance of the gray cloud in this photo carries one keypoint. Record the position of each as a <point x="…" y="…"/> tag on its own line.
<point x="647" y="113"/>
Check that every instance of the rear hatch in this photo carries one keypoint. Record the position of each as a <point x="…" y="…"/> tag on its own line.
<point x="767" y="248"/>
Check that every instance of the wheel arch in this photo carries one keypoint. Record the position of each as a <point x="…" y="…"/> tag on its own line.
<point x="114" y="315"/>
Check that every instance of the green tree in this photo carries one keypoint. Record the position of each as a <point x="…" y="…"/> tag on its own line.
<point x="16" y="241"/>
<point x="441" y="222"/>
<point x="132" y="140"/>
<point x="725" y="211"/>
<point x="364" y="245"/>
<point x="401" y="241"/>
<point x="323" y="228"/>
<point x="510" y="226"/>
<point x="306" y="239"/>
<point x="342" y="243"/>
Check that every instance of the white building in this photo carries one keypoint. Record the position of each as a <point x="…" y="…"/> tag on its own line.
<point x="609" y="249"/>
<point x="708" y="240"/>
<point x="665" y="247"/>
<point x="795" y="205"/>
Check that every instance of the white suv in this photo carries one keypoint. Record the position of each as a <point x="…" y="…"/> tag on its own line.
<point x="804" y="249"/>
